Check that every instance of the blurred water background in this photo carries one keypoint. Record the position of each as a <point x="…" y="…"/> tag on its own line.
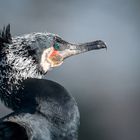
<point x="106" y="84"/>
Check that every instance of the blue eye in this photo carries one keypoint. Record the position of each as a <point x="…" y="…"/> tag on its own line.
<point x="56" y="46"/>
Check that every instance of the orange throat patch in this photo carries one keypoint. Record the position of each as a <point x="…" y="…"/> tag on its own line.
<point x="55" y="58"/>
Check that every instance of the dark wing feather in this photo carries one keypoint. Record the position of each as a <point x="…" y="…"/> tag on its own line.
<point x="12" y="131"/>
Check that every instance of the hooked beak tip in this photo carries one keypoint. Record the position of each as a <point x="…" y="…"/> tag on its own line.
<point x="101" y="44"/>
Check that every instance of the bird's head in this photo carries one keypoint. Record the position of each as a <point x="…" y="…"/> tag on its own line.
<point x="39" y="52"/>
<point x="56" y="50"/>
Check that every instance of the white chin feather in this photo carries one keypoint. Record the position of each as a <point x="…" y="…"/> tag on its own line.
<point x="44" y="62"/>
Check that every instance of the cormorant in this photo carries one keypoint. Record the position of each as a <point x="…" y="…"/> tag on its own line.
<point x="43" y="110"/>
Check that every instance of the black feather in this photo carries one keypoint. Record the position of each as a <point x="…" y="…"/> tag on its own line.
<point x="12" y="131"/>
<point x="5" y="35"/>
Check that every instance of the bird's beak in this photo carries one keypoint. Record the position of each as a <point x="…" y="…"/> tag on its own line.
<point x="56" y="57"/>
<point x="74" y="49"/>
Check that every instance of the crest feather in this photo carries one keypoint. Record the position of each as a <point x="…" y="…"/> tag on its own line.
<point x="5" y="35"/>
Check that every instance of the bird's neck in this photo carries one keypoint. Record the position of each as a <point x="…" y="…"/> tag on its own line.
<point x="13" y="70"/>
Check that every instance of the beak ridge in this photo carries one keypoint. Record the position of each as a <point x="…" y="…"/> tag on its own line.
<point x="94" y="45"/>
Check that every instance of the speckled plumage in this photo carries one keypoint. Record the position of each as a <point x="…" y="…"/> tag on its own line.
<point x="43" y="110"/>
<point x="19" y="60"/>
<point x="40" y="113"/>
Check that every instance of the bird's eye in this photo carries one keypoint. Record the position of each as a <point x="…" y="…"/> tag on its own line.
<point x="56" y="46"/>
